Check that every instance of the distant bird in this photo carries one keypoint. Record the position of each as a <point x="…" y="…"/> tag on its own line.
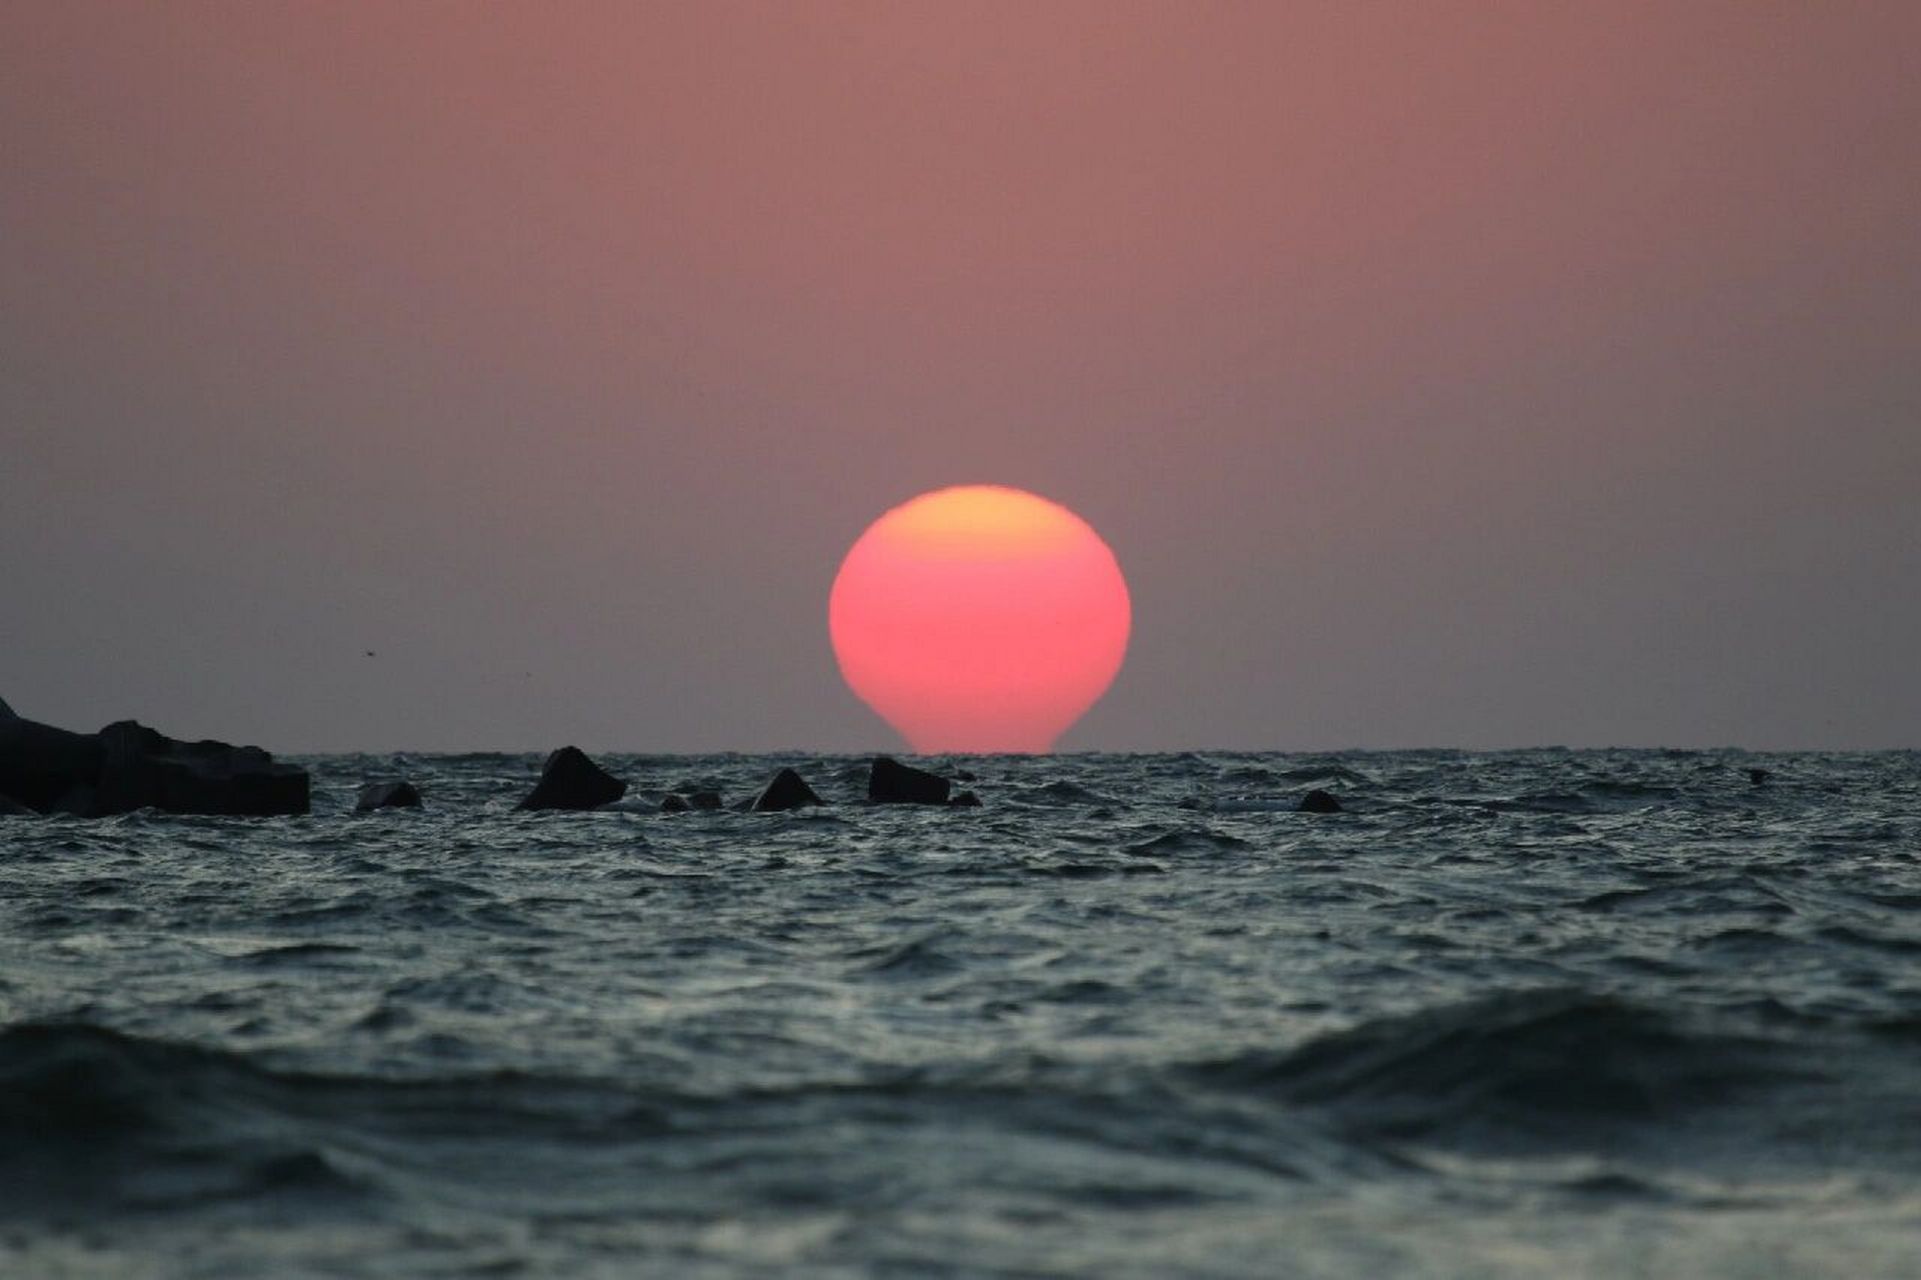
<point x="370" y="653"/>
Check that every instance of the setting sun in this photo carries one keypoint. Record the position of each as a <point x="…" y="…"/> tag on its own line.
<point x="979" y="618"/>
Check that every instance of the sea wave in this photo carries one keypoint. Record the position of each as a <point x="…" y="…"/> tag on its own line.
<point x="1112" y="1000"/>
<point x="1542" y="1064"/>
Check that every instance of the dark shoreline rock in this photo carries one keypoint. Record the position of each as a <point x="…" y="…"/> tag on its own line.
<point x="40" y="765"/>
<point x="127" y="766"/>
<point x="570" y="780"/>
<point x="143" y="768"/>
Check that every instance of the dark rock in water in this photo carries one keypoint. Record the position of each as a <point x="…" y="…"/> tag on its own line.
<point x="1320" y="802"/>
<point x="39" y="764"/>
<point x="127" y="766"/>
<point x="704" y="799"/>
<point x="142" y="768"/>
<point x="125" y="783"/>
<point x="787" y="790"/>
<point x="965" y="800"/>
<point x="569" y="780"/>
<point x="11" y="808"/>
<point x="674" y="802"/>
<point x="81" y="801"/>
<point x="965" y="775"/>
<point x="1759" y="777"/>
<point x="387" y="795"/>
<point x="891" y="782"/>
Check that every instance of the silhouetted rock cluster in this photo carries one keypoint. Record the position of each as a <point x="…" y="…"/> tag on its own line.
<point x="573" y="776"/>
<point x="888" y="782"/>
<point x="569" y="780"/>
<point x="127" y="766"/>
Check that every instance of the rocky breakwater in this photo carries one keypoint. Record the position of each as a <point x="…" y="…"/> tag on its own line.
<point x="127" y="766"/>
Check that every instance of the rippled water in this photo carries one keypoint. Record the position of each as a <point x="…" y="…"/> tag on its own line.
<point x="1527" y="1014"/>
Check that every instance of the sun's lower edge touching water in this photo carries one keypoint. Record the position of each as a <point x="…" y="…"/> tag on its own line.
<point x="980" y="618"/>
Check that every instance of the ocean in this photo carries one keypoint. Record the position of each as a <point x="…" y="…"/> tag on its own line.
<point x="1540" y="1013"/>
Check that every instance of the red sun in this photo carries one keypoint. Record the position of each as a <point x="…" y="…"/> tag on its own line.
<point x="979" y="618"/>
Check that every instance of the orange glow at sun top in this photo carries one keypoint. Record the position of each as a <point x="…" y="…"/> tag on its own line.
<point x="979" y="618"/>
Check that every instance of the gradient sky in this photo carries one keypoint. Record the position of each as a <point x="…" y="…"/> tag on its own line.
<point x="1481" y="375"/>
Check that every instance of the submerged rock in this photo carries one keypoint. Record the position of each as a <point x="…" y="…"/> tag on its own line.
<point x="387" y="795"/>
<point x="1759" y="777"/>
<point x="570" y="780"/>
<point x="965" y="800"/>
<point x="787" y="790"/>
<point x="683" y="802"/>
<point x="891" y="782"/>
<point x="1318" y="801"/>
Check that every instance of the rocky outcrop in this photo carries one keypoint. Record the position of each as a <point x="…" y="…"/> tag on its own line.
<point x="387" y="795"/>
<point x="127" y="766"/>
<point x="41" y="765"/>
<point x="787" y="790"/>
<point x="570" y="780"/>
<point x="891" y="782"/>
<point x="11" y="808"/>
<point x="142" y="768"/>
<point x="965" y="800"/>
<point x="1320" y="802"/>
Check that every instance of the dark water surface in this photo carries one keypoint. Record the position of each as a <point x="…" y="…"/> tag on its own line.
<point x="1526" y="1014"/>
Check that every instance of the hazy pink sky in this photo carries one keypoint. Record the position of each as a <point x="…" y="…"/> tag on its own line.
<point x="1441" y="375"/>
